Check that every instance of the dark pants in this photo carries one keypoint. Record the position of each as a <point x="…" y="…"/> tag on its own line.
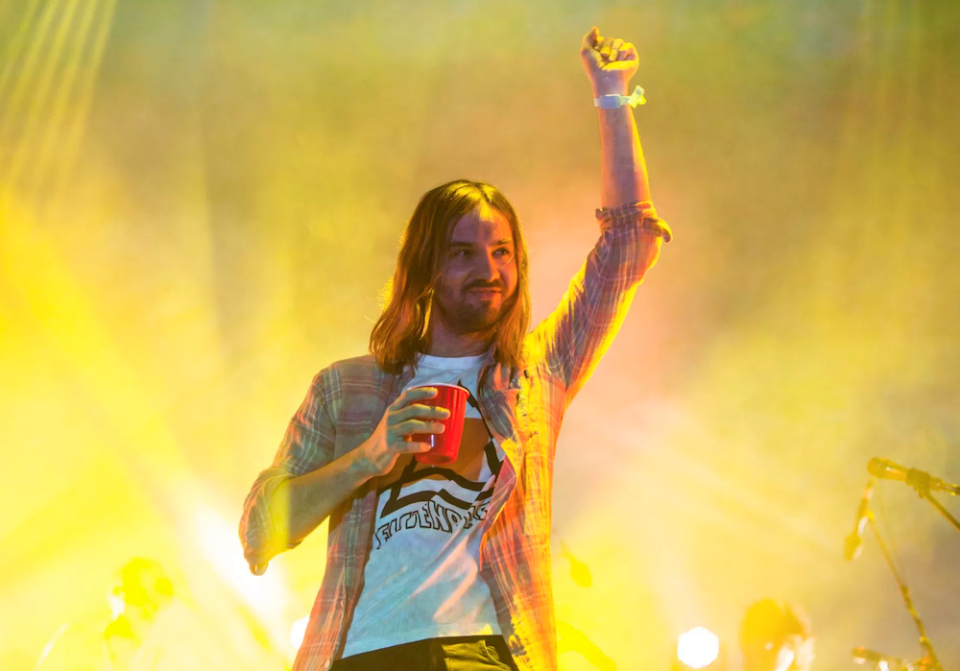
<point x="468" y="653"/>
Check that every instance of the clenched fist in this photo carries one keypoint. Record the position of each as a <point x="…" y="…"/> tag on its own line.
<point x="610" y="62"/>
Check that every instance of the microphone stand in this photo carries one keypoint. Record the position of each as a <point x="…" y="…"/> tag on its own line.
<point x="921" y="482"/>
<point x="905" y="592"/>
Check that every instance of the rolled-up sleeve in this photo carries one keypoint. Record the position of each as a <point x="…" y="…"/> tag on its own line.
<point x="307" y="445"/>
<point x="642" y="213"/>
<point x="575" y="336"/>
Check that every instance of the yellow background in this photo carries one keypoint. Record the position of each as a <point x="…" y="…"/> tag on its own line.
<point x="200" y="200"/>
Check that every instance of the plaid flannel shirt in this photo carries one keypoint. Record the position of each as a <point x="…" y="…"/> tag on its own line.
<point x="522" y="408"/>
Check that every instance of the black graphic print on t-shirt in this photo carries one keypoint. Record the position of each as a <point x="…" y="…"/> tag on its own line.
<point x="442" y="498"/>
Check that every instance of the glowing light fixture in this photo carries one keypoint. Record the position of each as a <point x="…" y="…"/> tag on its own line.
<point x="698" y="648"/>
<point x="218" y="541"/>
<point x="297" y="631"/>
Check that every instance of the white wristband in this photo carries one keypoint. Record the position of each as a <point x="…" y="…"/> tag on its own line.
<point x="614" y="101"/>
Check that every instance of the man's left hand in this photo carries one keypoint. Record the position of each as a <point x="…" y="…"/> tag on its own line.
<point x="610" y="62"/>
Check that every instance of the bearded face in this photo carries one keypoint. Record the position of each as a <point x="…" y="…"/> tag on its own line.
<point x="478" y="277"/>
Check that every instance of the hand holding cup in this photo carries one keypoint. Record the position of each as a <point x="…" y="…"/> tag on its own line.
<point x="395" y="434"/>
<point x="446" y="445"/>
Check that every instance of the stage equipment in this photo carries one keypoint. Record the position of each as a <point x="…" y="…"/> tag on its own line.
<point x="698" y="648"/>
<point x="923" y="483"/>
<point x="854" y="543"/>
<point x="579" y="571"/>
<point x="297" y="631"/>
<point x="878" y="660"/>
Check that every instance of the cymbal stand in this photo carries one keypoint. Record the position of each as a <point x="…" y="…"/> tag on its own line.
<point x="921" y="483"/>
<point x="905" y="593"/>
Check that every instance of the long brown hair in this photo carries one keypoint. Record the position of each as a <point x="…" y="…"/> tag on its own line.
<point x="401" y="330"/>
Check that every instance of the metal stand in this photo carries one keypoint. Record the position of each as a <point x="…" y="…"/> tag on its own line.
<point x="905" y="591"/>
<point x="921" y="482"/>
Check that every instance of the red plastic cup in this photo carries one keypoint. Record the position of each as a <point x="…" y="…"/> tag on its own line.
<point x="444" y="446"/>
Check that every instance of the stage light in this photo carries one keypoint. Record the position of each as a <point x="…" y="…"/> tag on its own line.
<point x="218" y="541"/>
<point x="698" y="648"/>
<point x="297" y="631"/>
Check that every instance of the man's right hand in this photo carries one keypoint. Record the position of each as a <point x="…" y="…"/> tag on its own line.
<point x="307" y="500"/>
<point x="405" y="417"/>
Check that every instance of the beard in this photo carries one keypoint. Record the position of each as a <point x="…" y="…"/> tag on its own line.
<point x="463" y="316"/>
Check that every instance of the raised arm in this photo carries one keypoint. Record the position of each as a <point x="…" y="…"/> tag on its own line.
<point x="573" y="339"/>
<point x="610" y="63"/>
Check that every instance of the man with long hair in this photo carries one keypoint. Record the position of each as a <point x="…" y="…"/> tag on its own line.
<point x="448" y="567"/>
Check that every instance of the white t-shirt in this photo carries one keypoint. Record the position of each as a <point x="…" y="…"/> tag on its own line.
<point x="422" y="579"/>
